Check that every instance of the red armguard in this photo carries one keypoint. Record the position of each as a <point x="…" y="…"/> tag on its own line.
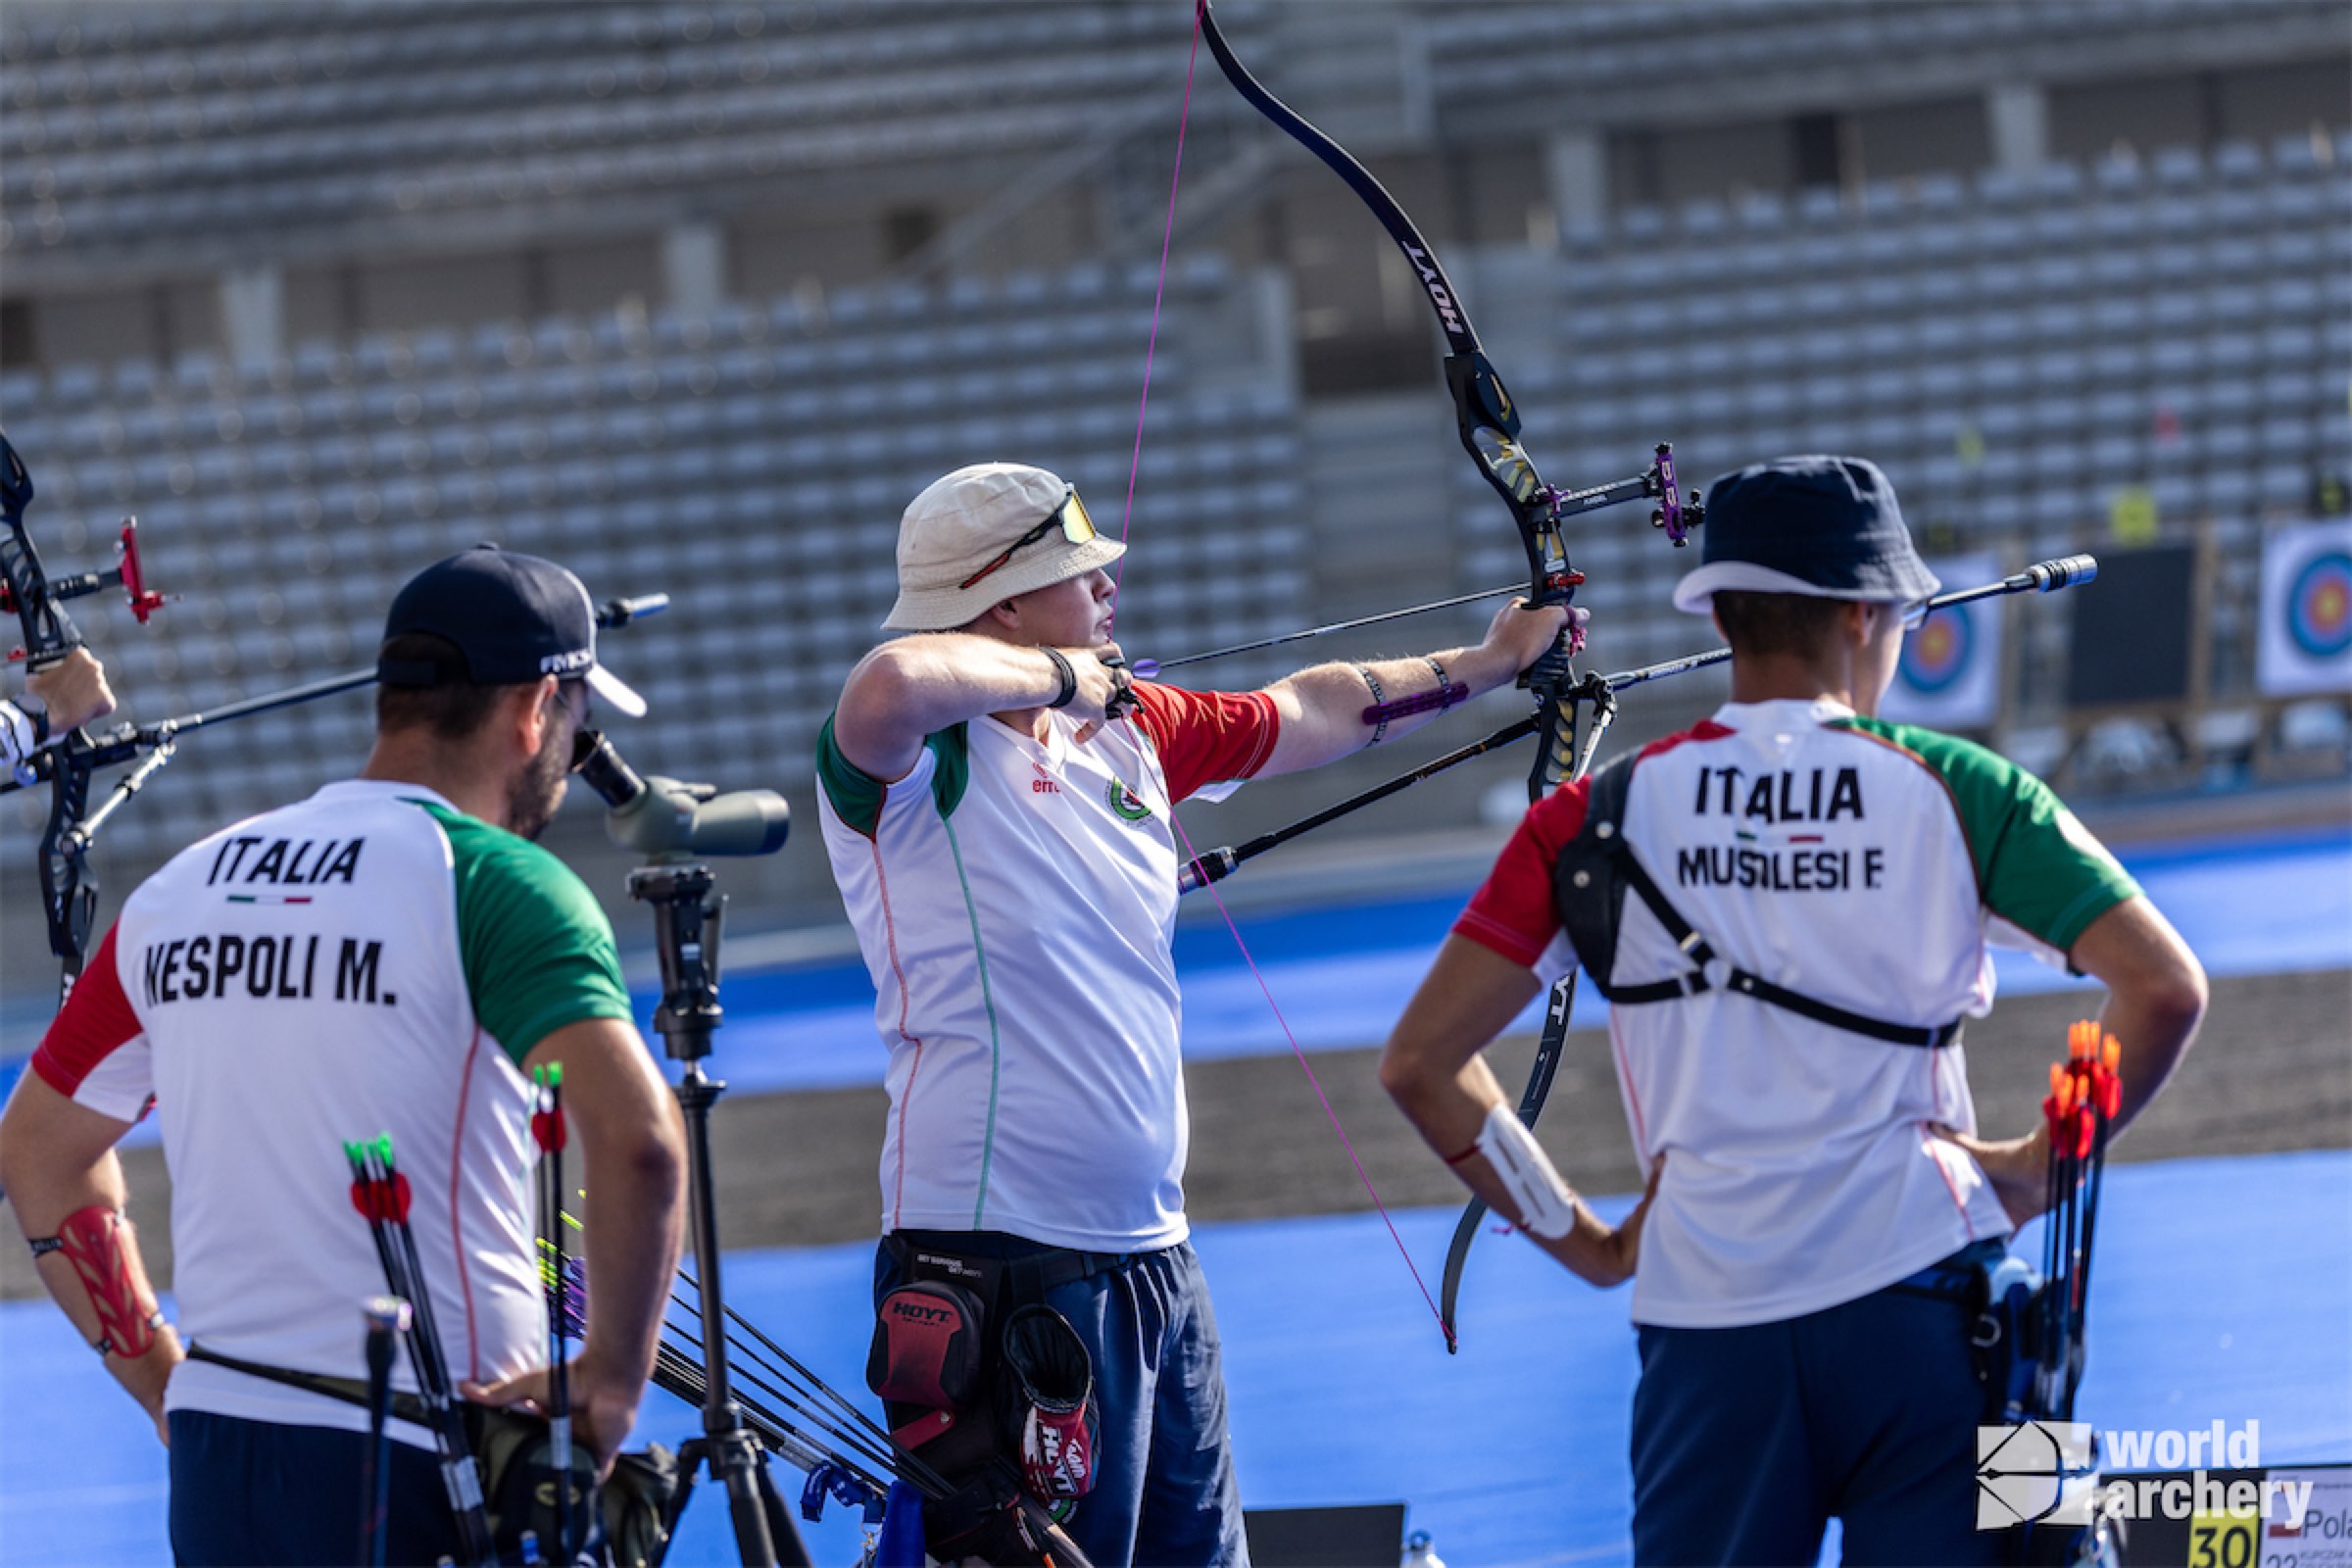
<point x="127" y="1318"/>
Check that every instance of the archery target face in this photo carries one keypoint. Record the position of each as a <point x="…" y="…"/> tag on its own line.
<point x="1938" y="654"/>
<point x="2319" y="607"/>
<point x="2306" y="642"/>
<point x="1950" y="674"/>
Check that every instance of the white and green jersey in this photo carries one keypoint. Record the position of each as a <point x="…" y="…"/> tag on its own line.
<point x="370" y="960"/>
<point x="1015" y="902"/>
<point x="1856" y="863"/>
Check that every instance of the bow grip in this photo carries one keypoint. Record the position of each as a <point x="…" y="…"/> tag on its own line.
<point x="64" y="639"/>
<point x="1550" y="674"/>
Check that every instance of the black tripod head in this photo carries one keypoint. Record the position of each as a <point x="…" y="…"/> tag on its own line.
<point x="675" y="825"/>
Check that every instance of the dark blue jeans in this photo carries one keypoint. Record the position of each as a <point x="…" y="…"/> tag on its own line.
<point x="1164" y="1494"/>
<point x="258" y="1495"/>
<point x="1748" y="1441"/>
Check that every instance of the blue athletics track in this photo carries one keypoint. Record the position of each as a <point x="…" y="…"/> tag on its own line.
<point x="2224" y="1290"/>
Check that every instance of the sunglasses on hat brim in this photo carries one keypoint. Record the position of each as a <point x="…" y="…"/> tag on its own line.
<point x="1070" y="517"/>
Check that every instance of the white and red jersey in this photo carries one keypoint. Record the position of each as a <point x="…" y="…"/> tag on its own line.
<point x="370" y="960"/>
<point x="1855" y="862"/>
<point x="19" y="740"/>
<point x="1015" y="902"/>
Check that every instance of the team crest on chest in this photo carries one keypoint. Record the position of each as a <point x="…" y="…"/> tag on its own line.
<point x="1126" y="803"/>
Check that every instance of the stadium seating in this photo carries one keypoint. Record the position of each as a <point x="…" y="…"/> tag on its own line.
<point x="1634" y="46"/>
<point x="205" y="119"/>
<point x="1987" y="344"/>
<point x="1980" y="341"/>
<point x="752" y="466"/>
<point x="2019" y="350"/>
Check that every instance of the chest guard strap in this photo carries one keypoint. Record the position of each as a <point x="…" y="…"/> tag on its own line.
<point x="1590" y="881"/>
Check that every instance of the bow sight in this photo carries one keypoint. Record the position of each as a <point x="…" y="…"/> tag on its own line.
<point x="125" y="573"/>
<point x="1675" y="513"/>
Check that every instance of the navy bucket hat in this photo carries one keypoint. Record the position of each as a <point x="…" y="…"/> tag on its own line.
<point x="1820" y="526"/>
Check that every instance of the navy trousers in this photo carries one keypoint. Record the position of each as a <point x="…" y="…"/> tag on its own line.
<point x="1748" y="1441"/>
<point x="258" y="1495"/>
<point x="1164" y="1494"/>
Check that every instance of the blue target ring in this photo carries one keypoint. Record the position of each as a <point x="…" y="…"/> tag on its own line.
<point x="2319" y="606"/>
<point x="1938" y="656"/>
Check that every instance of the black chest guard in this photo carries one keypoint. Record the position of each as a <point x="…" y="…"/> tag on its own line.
<point x="1590" y="881"/>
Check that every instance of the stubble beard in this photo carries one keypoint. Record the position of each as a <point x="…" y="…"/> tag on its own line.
<point x="537" y="790"/>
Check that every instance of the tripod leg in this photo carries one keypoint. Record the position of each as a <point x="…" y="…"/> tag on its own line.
<point x="791" y="1550"/>
<point x="692" y="1454"/>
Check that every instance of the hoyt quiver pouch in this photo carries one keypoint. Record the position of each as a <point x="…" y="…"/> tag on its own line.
<point x="989" y="1388"/>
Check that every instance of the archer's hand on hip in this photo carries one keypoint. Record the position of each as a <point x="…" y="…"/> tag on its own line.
<point x="2018" y="1169"/>
<point x="602" y="1408"/>
<point x="1603" y="1254"/>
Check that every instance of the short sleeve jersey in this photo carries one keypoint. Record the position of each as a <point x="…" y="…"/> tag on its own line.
<point x="1859" y="863"/>
<point x="1015" y="901"/>
<point x="19" y="741"/>
<point x="370" y="960"/>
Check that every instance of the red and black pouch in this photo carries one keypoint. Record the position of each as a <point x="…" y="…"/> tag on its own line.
<point x="1050" y="1418"/>
<point x="934" y="1367"/>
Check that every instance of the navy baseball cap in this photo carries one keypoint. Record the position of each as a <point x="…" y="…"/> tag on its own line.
<point x="1820" y="526"/>
<point x="513" y="618"/>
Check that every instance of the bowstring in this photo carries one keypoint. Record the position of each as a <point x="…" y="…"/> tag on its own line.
<point x="1192" y="855"/>
<point x="1159" y="291"/>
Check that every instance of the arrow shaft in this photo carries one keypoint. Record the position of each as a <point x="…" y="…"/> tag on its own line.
<point x="1146" y="668"/>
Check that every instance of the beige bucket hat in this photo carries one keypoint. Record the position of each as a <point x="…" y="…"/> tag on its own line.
<point x="985" y="534"/>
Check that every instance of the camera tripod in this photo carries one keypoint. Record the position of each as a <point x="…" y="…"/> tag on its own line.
<point x="686" y="928"/>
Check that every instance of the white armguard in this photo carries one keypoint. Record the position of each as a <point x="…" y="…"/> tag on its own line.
<point x="1547" y="1205"/>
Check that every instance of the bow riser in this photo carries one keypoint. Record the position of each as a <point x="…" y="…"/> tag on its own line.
<point x="49" y="632"/>
<point x="69" y="894"/>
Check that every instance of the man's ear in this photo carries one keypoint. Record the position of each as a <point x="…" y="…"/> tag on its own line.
<point x="532" y="712"/>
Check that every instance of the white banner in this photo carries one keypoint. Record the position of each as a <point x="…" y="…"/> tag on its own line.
<point x="1950" y="674"/>
<point x="2306" y="642"/>
<point x="2321" y="1533"/>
